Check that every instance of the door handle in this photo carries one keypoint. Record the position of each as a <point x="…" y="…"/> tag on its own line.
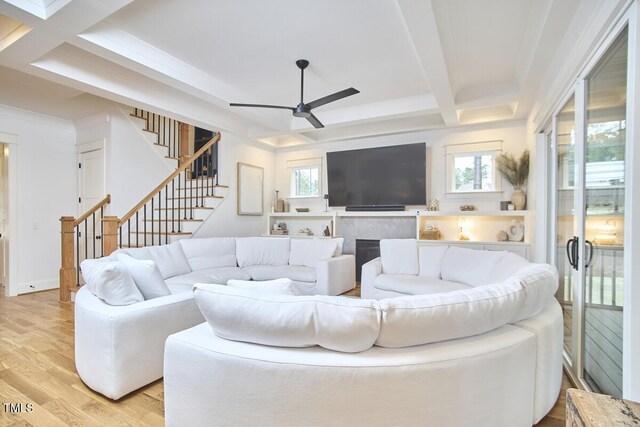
<point x="589" y="256"/>
<point x="572" y="252"/>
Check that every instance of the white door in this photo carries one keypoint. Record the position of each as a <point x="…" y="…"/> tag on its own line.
<point x="90" y="192"/>
<point x="4" y="192"/>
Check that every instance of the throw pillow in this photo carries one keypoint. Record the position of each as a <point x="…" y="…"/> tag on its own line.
<point x="336" y="323"/>
<point x="399" y="256"/>
<point x="114" y="285"/>
<point x="308" y="252"/>
<point x="429" y="259"/>
<point x="271" y="287"/>
<point x="170" y="258"/>
<point x="146" y="276"/>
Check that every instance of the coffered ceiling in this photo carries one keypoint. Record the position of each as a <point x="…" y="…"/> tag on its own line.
<point x="419" y="64"/>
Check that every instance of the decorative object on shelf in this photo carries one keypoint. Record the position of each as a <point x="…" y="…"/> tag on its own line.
<point x="326" y="231"/>
<point x="465" y="208"/>
<point x="250" y="189"/>
<point x="433" y="205"/>
<point x="279" y="229"/>
<point x="516" y="231"/>
<point x="430" y="233"/>
<point x="502" y="236"/>
<point x="511" y="207"/>
<point x="516" y="172"/>
<point x="302" y="209"/>
<point x="504" y="205"/>
<point x="326" y="202"/>
<point x="305" y="232"/>
<point x="279" y="203"/>
<point x="463" y="229"/>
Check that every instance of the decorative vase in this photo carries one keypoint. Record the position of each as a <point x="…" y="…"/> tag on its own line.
<point x="519" y="199"/>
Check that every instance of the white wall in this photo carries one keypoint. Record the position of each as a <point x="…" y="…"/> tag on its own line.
<point x="225" y="221"/>
<point x="46" y="184"/>
<point x="513" y="135"/>
<point x="133" y="167"/>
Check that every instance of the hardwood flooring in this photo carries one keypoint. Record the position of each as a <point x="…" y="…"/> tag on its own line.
<point x="37" y="368"/>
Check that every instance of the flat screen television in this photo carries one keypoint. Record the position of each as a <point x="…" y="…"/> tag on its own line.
<point x="394" y="175"/>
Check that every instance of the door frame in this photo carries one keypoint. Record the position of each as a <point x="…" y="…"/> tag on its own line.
<point x="11" y="289"/>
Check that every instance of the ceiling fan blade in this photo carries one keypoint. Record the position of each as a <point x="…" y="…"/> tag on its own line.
<point x="333" y="97"/>
<point x="233" y="104"/>
<point x="315" y="122"/>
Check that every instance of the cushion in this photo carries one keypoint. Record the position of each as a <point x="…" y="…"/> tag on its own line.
<point x="508" y="266"/>
<point x="220" y="275"/>
<point x="272" y="287"/>
<point x="399" y="256"/>
<point x="169" y="258"/>
<point x="415" y="285"/>
<point x="293" y="272"/>
<point x="262" y="251"/>
<point x="88" y="268"/>
<point x="337" y="323"/>
<point x="210" y="252"/>
<point x="308" y="252"/>
<point x="429" y="260"/>
<point x="540" y="283"/>
<point x="417" y="320"/>
<point x="146" y="276"/>
<point x="470" y="266"/>
<point x="114" y="285"/>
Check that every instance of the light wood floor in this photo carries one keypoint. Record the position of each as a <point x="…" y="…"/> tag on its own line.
<point x="37" y="367"/>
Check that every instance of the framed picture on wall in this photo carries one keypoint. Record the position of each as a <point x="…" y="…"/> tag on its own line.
<point x="250" y="189"/>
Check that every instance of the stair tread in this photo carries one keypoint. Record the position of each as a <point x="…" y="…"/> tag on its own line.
<point x="156" y="233"/>
<point x="170" y="157"/>
<point x="210" y="186"/>
<point x="151" y="131"/>
<point x="161" y="145"/>
<point x="195" y="197"/>
<point x="138" y="117"/>
<point x="183" y="208"/>
<point x="175" y="220"/>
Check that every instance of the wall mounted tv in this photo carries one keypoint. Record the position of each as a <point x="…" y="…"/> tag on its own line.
<point x="394" y="175"/>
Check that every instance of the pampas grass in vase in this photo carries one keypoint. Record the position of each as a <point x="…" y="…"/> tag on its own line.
<point x="516" y="172"/>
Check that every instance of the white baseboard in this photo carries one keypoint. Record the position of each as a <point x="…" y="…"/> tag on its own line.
<point x="37" y="285"/>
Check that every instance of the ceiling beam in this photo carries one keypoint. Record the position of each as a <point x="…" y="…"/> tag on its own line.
<point x="422" y="30"/>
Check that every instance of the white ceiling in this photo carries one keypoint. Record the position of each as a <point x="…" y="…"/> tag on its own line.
<point x="419" y="64"/>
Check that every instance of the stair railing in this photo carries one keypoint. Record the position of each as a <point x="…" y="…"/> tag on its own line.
<point x="161" y="213"/>
<point x="81" y="238"/>
<point x="170" y="132"/>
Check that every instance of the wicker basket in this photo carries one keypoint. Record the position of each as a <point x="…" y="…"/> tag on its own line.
<point x="433" y="234"/>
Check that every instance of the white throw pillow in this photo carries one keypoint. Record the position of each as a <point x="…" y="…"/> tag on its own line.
<point x="399" y="256"/>
<point x="423" y="319"/>
<point x="337" y="323"/>
<point x="308" y="252"/>
<point x="470" y="266"/>
<point x="146" y="276"/>
<point x="271" y="287"/>
<point x="262" y="251"/>
<point x="114" y="285"/>
<point x="429" y="259"/>
<point x="210" y="252"/>
<point x="170" y="258"/>
<point x="89" y="267"/>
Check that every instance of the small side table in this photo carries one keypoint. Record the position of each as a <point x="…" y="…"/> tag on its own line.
<point x="591" y="409"/>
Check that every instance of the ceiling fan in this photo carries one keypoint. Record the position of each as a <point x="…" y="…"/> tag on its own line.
<point x="304" y="110"/>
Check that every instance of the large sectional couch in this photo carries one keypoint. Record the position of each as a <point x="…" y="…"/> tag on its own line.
<point x="452" y="337"/>
<point x="119" y="348"/>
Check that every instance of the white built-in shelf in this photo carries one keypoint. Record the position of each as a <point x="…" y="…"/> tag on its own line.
<point x="474" y="213"/>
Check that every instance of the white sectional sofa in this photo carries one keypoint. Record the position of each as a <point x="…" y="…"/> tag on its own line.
<point x="472" y="354"/>
<point x="120" y="348"/>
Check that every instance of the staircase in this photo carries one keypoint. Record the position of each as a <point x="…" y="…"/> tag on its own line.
<point x="173" y="210"/>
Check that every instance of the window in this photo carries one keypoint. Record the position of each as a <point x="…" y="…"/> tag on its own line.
<point x="305" y="177"/>
<point x="471" y="167"/>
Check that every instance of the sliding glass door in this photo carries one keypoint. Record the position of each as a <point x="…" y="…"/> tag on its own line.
<point x="588" y="180"/>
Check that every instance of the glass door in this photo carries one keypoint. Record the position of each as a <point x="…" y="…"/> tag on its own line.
<point x="604" y="172"/>
<point x="565" y="130"/>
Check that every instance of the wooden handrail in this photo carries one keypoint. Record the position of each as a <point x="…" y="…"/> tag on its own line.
<point x="170" y="178"/>
<point x="91" y="211"/>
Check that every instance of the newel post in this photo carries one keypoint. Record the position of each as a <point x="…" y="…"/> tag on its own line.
<point x="67" y="264"/>
<point x="184" y="143"/>
<point x="110" y="234"/>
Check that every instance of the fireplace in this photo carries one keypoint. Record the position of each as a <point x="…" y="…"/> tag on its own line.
<point x="366" y="250"/>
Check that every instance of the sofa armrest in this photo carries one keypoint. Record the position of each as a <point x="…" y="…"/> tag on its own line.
<point x="119" y="349"/>
<point x="336" y="275"/>
<point x="370" y="271"/>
